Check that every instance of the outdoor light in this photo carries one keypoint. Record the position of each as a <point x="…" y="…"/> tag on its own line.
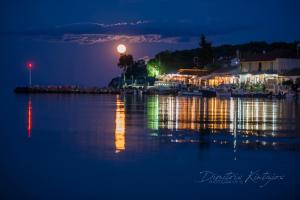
<point x="29" y="67"/>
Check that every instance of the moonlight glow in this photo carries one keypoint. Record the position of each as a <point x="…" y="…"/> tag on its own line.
<point x="121" y="48"/>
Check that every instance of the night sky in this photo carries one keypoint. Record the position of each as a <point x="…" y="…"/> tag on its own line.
<point x="73" y="41"/>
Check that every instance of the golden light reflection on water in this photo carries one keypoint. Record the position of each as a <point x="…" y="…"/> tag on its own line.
<point x="120" y="126"/>
<point x="248" y="116"/>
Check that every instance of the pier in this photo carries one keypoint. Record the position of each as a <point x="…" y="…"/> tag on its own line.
<point x="67" y="90"/>
<point x="202" y="92"/>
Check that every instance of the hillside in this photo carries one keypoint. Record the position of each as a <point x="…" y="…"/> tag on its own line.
<point x="170" y="61"/>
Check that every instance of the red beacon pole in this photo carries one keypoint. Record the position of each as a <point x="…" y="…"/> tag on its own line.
<point x="29" y="66"/>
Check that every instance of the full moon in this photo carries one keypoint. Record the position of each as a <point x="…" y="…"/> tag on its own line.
<point x="121" y="48"/>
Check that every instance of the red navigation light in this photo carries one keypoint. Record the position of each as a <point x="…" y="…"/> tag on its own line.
<point x="29" y="65"/>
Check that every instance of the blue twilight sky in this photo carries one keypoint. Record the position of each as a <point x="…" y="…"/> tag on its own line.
<point x="73" y="41"/>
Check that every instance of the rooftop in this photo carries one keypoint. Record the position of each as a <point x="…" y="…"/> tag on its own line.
<point x="270" y="56"/>
<point x="226" y="70"/>
<point x="192" y="71"/>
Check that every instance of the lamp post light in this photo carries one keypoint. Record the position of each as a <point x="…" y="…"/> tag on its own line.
<point x="29" y="67"/>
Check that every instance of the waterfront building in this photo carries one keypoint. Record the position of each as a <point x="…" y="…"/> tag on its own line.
<point x="268" y="70"/>
<point x="224" y="75"/>
<point x="184" y="76"/>
<point x="200" y="78"/>
<point x="193" y="71"/>
<point x="268" y="64"/>
<point x="261" y="69"/>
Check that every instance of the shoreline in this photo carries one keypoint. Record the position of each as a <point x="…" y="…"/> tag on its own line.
<point x="65" y="90"/>
<point x="134" y="91"/>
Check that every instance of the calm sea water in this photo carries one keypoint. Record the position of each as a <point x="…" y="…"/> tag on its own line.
<point x="148" y="147"/>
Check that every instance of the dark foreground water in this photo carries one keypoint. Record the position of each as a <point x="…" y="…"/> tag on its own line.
<point x="148" y="147"/>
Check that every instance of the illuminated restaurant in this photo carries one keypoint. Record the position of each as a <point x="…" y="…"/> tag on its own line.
<point x="269" y="71"/>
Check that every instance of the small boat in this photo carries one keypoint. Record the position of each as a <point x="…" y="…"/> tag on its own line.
<point x="223" y="93"/>
<point x="208" y="92"/>
<point x="240" y="93"/>
<point x="190" y="93"/>
<point x="290" y="95"/>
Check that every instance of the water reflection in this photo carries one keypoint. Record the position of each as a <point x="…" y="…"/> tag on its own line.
<point x="257" y="123"/>
<point x="254" y="123"/>
<point x="247" y="116"/>
<point x="120" y="126"/>
<point x="29" y="118"/>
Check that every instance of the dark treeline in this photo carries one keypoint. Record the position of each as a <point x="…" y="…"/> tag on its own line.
<point x="209" y="57"/>
<point x="132" y="68"/>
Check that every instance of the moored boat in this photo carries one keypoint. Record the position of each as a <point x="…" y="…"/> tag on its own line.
<point x="223" y="93"/>
<point x="190" y="93"/>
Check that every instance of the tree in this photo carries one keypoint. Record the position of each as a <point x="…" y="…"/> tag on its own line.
<point x="125" y="61"/>
<point x="288" y="83"/>
<point x="131" y="68"/>
<point x="137" y="69"/>
<point x="153" y="67"/>
<point x="206" y="51"/>
<point x="298" y="81"/>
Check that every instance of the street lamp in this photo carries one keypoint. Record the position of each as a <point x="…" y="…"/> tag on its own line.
<point x="29" y="67"/>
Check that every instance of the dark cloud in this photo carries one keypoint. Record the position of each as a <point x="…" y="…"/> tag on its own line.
<point x="100" y="38"/>
<point x="132" y="32"/>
